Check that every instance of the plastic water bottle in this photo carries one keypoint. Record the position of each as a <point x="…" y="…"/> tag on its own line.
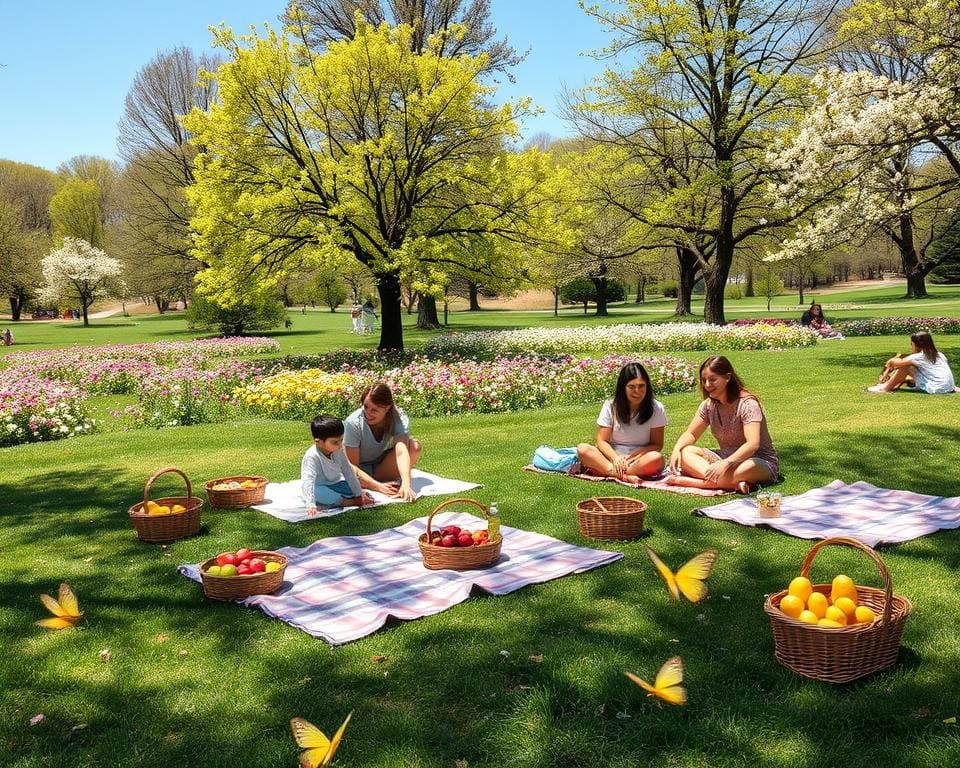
<point x="493" y="522"/>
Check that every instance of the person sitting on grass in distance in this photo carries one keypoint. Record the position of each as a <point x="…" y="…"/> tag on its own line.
<point x="924" y="369"/>
<point x="326" y="477"/>
<point x="378" y="443"/>
<point x="814" y="320"/>
<point x="745" y="456"/>
<point x="629" y="431"/>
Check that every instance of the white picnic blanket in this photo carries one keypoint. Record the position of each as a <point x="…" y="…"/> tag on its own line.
<point x="283" y="500"/>
<point x="861" y="510"/>
<point x="345" y="587"/>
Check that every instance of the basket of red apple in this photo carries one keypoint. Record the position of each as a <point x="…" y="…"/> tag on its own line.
<point x="458" y="549"/>
<point x="235" y="575"/>
<point x="167" y="518"/>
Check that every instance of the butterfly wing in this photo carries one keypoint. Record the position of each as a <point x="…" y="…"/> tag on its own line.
<point x="56" y="623"/>
<point x="669" y="682"/>
<point x="68" y="601"/>
<point x="665" y="572"/>
<point x="335" y="742"/>
<point x="692" y="575"/>
<point x="641" y="682"/>
<point x="66" y="612"/>
<point x="313" y="742"/>
<point x="53" y="606"/>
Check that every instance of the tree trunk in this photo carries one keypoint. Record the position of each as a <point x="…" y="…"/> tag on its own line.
<point x="16" y="306"/>
<point x="86" y="305"/>
<point x="585" y="307"/>
<point x="601" y="285"/>
<point x="427" y="319"/>
<point x="715" y="280"/>
<point x="556" y="301"/>
<point x="391" y="323"/>
<point x="749" y="291"/>
<point x="910" y="260"/>
<point x="689" y="266"/>
<point x="641" y="289"/>
<point x="474" y="296"/>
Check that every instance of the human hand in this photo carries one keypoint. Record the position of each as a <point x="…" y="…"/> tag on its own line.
<point x="388" y="489"/>
<point x="405" y="493"/>
<point x="312" y="511"/>
<point x="366" y="499"/>
<point x="676" y="462"/>
<point x="715" y="471"/>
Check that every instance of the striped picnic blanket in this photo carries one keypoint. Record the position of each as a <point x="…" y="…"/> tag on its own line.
<point x="873" y="515"/>
<point x="659" y="484"/>
<point x="345" y="587"/>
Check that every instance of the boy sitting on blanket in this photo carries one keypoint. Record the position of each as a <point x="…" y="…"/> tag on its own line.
<point x="327" y="479"/>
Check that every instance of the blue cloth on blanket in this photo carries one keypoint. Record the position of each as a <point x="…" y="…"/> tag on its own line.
<point x="554" y="459"/>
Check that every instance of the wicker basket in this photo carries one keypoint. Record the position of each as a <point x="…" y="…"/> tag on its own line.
<point x="841" y="654"/>
<point x="236" y="498"/>
<point x="611" y="518"/>
<point x="239" y="587"/>
<point x="170" y="527"/>
<point x="458" y="558"/>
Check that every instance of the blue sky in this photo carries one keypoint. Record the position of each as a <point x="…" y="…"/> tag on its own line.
<point x="67" y="65"/>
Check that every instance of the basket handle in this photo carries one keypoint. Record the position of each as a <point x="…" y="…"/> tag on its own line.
<point x="448" y="503"/>
<point x="856" y="544"/>
<point x="165" y="470"/>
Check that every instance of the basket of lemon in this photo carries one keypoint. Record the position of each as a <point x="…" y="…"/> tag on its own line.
<point x="840" y="631"/>
<point x="235" y="492"/>
<point x="167" y="518"/>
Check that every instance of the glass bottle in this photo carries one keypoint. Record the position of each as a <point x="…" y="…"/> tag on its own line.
<point x="493" y="522"/>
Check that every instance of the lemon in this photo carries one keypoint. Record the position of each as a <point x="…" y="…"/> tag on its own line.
<point x="178" y="508"/>
<point x="843" y="586"/>
<point x="809" y="617"/>
<point x="864" y="615"/>
<point x="829" y="623"/>
<point x="800" y="587"/>
<point x="151" y="507"/>
<point x="848" y="606"/>
<point x="791" y="605"/>
<point x="835" y="614"/>
<point x="817" y="602"/>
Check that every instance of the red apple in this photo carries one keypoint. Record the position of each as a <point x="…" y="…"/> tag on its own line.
<point x="243" y="554"/>
<point x="465" y="539"/>
<point x="448" y="541"/>
<point x="257" y="565"/>
<point x="243" y="570"/>
<point x="436" y="539"/>
<point x="227" y="558"/>
<point x="450" y="530"/>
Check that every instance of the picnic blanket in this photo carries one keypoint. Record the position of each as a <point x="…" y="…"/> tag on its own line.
<point x="657" y="484"/>
<point x="283" y="500"/>
<point x="873" y="515"/>
<point x="345" y="587"/>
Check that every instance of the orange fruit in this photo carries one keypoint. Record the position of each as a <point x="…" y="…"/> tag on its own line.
<point x="864" y="615"/>
<point x="809" y="617"/>
<point x="829" y="623"/>
<point x="791" y="605"/>
<point x="843" y="586"/>
<point x="817" y="602"/>
<point x="800" y="587"/>
<point x="178" y="508"/>
<point x="835" y="614"/>
<point x="848" y="606"/>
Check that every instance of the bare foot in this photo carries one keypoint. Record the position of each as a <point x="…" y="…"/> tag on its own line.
<point x="878" y="388"/>
<point x="743" y="487"/>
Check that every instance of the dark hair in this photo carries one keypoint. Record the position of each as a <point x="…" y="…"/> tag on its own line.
<point x="381" y="394"/>
<point x="924" y="342"/>
<point x="325" y="426"/>
<point x="621" y="406"/>
<point x="720" y="365"/>
<point x="820" y="314"/>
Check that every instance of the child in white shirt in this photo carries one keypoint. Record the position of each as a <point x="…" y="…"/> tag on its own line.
<point x="327" y="479"/>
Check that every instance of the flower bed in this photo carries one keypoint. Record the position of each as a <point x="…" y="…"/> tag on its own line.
<point x="427" y="388"/>
<point x="897" y="326"/>
<point x="642" y="339"/>
<point x="34" y="408"/>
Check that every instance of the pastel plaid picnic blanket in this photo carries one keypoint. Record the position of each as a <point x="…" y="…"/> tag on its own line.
<point x="873" y="515"/>
<point x="345" y="587"/>
<point x="659" y="484"/>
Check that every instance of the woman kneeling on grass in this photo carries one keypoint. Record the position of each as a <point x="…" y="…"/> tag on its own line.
<point x="924" y="368"/>
<point x="746" y="455"/>
<point x="629" y="431"/>
<point x="377" y="442"/>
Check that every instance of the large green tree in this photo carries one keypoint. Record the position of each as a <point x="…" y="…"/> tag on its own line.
<point x="75" y="212"/>
<point x="394" y="156"/>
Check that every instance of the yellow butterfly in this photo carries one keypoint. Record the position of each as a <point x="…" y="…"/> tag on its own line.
<point x="691" y="576"/>
<point x="66" y="611"/>
<point x="668" y="684"/>
<point x="317" y="749"/>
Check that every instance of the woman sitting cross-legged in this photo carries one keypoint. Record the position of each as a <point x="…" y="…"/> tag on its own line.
<point x="746" y="455"/>
<point x="924" y="368"/>
<point x="629" y="431"/>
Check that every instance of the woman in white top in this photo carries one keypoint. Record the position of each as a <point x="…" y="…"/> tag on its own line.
<point x="924" y="368"/>
<point x="629" y="431"/>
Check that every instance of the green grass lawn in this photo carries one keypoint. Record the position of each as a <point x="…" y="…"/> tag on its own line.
<point x="198" y="683"/>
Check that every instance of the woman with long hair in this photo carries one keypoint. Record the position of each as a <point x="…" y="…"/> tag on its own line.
<point x="925" y="369"/>
<point x="629" y="430"/>
<point x="745" y="456"/>
<point x="377" y="442"/>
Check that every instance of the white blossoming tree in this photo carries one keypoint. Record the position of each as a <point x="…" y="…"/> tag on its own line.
<point x="78" y="271"/>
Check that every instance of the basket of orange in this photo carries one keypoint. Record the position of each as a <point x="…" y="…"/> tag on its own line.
<point x="457" y="549"/>
<point x="235" y="492"/>
<point x="167" y="518"/>
<point x="240" y="574"/>
<point x="840" y="631"/>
